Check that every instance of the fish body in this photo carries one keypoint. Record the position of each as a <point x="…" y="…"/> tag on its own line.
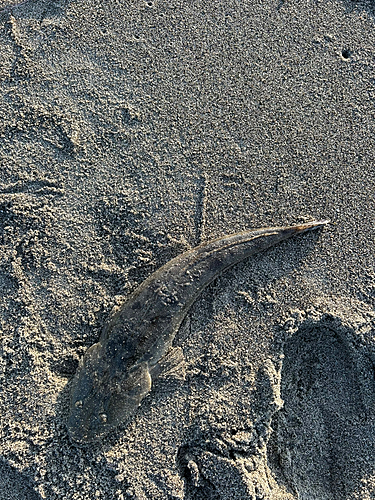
<point x="116" y="373"/>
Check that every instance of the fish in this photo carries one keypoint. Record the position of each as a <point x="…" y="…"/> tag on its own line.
<point x="135" y="346"/>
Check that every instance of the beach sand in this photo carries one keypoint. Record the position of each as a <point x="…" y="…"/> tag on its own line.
<point x="134" y="130"/>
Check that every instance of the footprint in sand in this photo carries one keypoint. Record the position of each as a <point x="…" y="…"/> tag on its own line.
<point x="325" y="433"/>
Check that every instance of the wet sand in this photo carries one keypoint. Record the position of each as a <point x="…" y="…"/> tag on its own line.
<point x="133" y="131"/>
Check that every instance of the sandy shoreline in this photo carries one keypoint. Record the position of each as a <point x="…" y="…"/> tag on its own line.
<point x="133" y="131"/>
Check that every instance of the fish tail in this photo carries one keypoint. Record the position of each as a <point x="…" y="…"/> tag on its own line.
<point x="308" y="226"/>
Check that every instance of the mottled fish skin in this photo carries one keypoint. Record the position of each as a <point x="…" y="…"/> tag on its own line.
<point x="115" y="374"/>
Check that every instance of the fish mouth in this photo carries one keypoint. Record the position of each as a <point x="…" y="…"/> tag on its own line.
<point x="87" y="430"/>
<point x="84" y="437"/>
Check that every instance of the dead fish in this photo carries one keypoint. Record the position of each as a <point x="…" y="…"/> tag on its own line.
<point x="116" y="374"/>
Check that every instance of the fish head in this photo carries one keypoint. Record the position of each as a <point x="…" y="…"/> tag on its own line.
<point x="101" y="398"/>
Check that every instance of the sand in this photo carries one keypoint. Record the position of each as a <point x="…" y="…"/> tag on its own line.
<point x="132" y="131"/>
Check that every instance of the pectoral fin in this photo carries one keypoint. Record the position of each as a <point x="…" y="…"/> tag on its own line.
<point x="172" y="364"/>
<point x="138" y="383"/>
<point x="128" y="395"/>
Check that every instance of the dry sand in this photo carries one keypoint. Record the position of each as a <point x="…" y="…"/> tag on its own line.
<point x="132" y="130"/>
